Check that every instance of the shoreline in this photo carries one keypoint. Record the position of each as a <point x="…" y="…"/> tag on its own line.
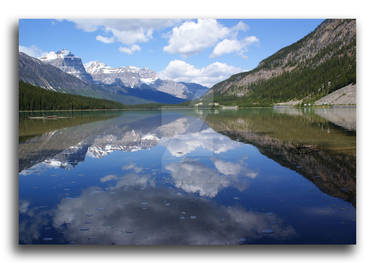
<point x="192" y="108"/>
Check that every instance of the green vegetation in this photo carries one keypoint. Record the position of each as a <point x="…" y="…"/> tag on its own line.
<point x="158" y="106"/>
<point x="35" y="98"/>
<point x="316" y="65"/>
<point x="299" y="140"/>
<point x="296" y="128"/>
<point x="310" y="81"/>
<point x="29" y="128"/>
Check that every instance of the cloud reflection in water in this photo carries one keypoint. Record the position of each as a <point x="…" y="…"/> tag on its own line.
<point x="135" y="212"/>
<point x="195" y="177"/>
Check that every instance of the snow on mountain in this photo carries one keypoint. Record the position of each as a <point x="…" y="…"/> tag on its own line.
<point x="130" y="141"/>
<point x="45" y="75"/>
<point x="48" y="76"/>
<point x="67" y="62"/>
<point x="130" y="76"/>
<point x="135" y="77"/>
<point x="94" y="67"/>
<point x="96" y="72"/>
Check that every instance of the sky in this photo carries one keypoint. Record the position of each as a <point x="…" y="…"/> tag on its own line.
<point x="203" y="51"/>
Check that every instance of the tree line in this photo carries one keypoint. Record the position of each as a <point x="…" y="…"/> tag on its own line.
<point x="36" y="98"/>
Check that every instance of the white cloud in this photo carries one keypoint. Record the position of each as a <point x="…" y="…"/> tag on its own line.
<point x="108" y="178"/>
<point x="132" y="36"/>
<point x="194" y="177"/>
<point x="185" y="39"/>
<point x="23" y="206"/>
<point x="132" y="166"/>
<point x="227" y="168"/>
<point x="179" y="70"/>
<point x="123" y="220"/>
<point x="227" y="46"/>
<point x="130" y="50"/>
<point x="106" y="40"/>
<point x="192" y="37"/>
<point x="32" y="51"/>
<point x="241" y="26"/>
<point x="182" y="144"/>
<point x="125" y="31"/>
<point x="179" y="126"/>
<point x="230" y="168"/>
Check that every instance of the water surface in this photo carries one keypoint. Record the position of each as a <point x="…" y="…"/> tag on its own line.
<point x="263" y="176"/>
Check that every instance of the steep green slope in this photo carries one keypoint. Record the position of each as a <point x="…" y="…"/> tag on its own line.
<point x="320" y="63"/>
<point x="36" y="98"/>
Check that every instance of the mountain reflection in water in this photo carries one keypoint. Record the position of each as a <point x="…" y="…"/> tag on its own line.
<point x="187" y="177"/>
<point x="300" y="141"/>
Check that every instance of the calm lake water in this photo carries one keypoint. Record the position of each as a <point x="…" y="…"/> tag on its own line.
<point x="263" y="176"/>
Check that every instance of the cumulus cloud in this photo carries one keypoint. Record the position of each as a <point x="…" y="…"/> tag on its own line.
<point x="32" y="51"/>
<point x="132" y="166"/>
<point x="230" y="168"/>
<point x="175" y="127"/>
<point x="135" y="216"/>
<point x="34" y="220"/>
<point x="108" y="178"/>
<point x="179" y="70"/>
<point x="192" y="37"/>
<point x="106" y="40"/>
<point x="182" y="144"/>
<point x="130" y="50"/>
<point x="185" y="38"/>
<point x="136" y="179"/>
<point x="194" y="177"/>
<point x="125" y="31"/>
<point x="227" y="46"/>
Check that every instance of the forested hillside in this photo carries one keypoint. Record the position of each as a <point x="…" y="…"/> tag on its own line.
<point x="318" y="64"/>
<point x="36" y="98"/>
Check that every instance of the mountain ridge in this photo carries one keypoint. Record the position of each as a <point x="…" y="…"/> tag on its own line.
<point x="326" y="55"/>
<point x="38" y="73"/>
<point x="134" y="77"/>
<point x="98" y="73"/>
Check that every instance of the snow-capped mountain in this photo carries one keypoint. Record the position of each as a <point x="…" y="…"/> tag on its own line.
<point x="131" y="141"/>
<point x="130" y="76"/>
<point x="136" y="77"/>
<point x="67" y="62"/>
<point x="45" y="75"/>
<point x="36" y="72"/>
<point x="126" y="84"/>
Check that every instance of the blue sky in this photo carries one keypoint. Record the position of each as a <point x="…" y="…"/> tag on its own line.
<point x="197" y="50"/>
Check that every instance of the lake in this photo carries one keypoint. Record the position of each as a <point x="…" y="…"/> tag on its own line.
<point x="179" y="177"/>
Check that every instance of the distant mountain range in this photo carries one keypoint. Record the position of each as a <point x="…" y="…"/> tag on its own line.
<point x="318" y="64"/>
<point x="134" y="77"/>
<point x="62" y="71"/>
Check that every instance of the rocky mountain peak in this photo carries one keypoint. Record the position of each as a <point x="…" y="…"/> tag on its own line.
<point x="130" y="76"/>
<point x="93" y="67"/>
<point x="134" y="77"/>
<point x="66" y="61"/>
